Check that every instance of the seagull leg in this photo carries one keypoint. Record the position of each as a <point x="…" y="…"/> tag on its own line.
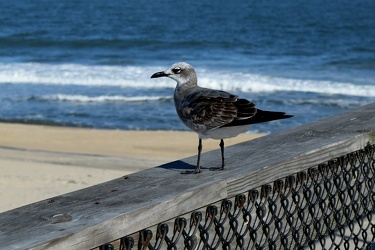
<point x="222" y="157"/>
<point x="198" y="168"/>
<point x="222" y="154"/>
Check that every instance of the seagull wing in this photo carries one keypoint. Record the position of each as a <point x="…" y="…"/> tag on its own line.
<point x="209" y="109"/>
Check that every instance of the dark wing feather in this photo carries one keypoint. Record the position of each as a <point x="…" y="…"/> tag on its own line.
<point x="213" y="109"/>
<point x="205" y="112"/>
<point x="245" y="109"/>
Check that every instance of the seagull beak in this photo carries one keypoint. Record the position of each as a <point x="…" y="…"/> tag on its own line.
<point x="159" y="74"/>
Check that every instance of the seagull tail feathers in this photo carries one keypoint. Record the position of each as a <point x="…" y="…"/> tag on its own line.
<point x="266" y="116"/>
<point x="259" y="117"/>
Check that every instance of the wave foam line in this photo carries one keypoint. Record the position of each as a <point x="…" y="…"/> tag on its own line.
<point x="88" y="99"/>
<point x="74" y="74"/>
<point x="260" y="83"/>
<point x="139" y="77"/>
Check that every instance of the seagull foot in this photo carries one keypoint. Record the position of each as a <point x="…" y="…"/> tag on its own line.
<point x="196" y="171"/>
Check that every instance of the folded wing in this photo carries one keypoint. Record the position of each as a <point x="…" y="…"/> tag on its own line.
<point x="211" y="109"/>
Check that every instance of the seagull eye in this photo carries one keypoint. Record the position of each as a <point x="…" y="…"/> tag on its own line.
<point x="177" y="70"/>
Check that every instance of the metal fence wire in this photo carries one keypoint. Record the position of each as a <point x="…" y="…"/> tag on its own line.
<point x="330" y="206"/>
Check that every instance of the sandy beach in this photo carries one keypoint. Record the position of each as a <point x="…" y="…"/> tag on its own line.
<point x="38" y="162"/>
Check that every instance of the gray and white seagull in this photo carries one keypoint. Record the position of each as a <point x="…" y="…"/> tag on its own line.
<point x="212" y="113"/>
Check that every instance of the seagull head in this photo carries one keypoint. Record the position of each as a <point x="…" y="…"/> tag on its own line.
<point x="181" y="72"/>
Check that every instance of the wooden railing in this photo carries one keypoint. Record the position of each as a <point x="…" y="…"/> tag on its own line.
<point x="274" y="165"/>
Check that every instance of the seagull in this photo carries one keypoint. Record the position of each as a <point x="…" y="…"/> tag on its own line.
<point x="212" y="113"/>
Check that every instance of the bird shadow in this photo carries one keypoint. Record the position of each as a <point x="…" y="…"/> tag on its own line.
<point x="183" y="167"/>
<point x="178" y="165"/>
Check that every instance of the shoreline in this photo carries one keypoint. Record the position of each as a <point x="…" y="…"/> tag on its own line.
<point x="39" y="161"/>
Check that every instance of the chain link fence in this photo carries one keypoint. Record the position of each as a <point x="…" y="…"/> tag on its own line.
<point x="330" y="206"/>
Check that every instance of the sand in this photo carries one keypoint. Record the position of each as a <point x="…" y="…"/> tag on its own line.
<point x="39" y="162"/>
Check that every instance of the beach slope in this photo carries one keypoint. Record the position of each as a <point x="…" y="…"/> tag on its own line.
<point x="38" y="162"/>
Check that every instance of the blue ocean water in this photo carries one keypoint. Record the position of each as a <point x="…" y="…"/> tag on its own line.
<point x="88" y="63"/>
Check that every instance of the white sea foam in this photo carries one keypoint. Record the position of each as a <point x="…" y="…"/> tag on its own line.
<point x="260" y="83"/>
<point x="337" y="102"/>
<point x="139" y="77"/>
<point x="105" y="98"/>
<point x="75" y="74"/>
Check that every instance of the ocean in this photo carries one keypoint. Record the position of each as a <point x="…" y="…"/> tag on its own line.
<point x="87" y="63"/>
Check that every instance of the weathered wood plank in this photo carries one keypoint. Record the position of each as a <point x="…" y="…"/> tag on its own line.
<point x="105" y="212"/>
<point x="92" y="215"/>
